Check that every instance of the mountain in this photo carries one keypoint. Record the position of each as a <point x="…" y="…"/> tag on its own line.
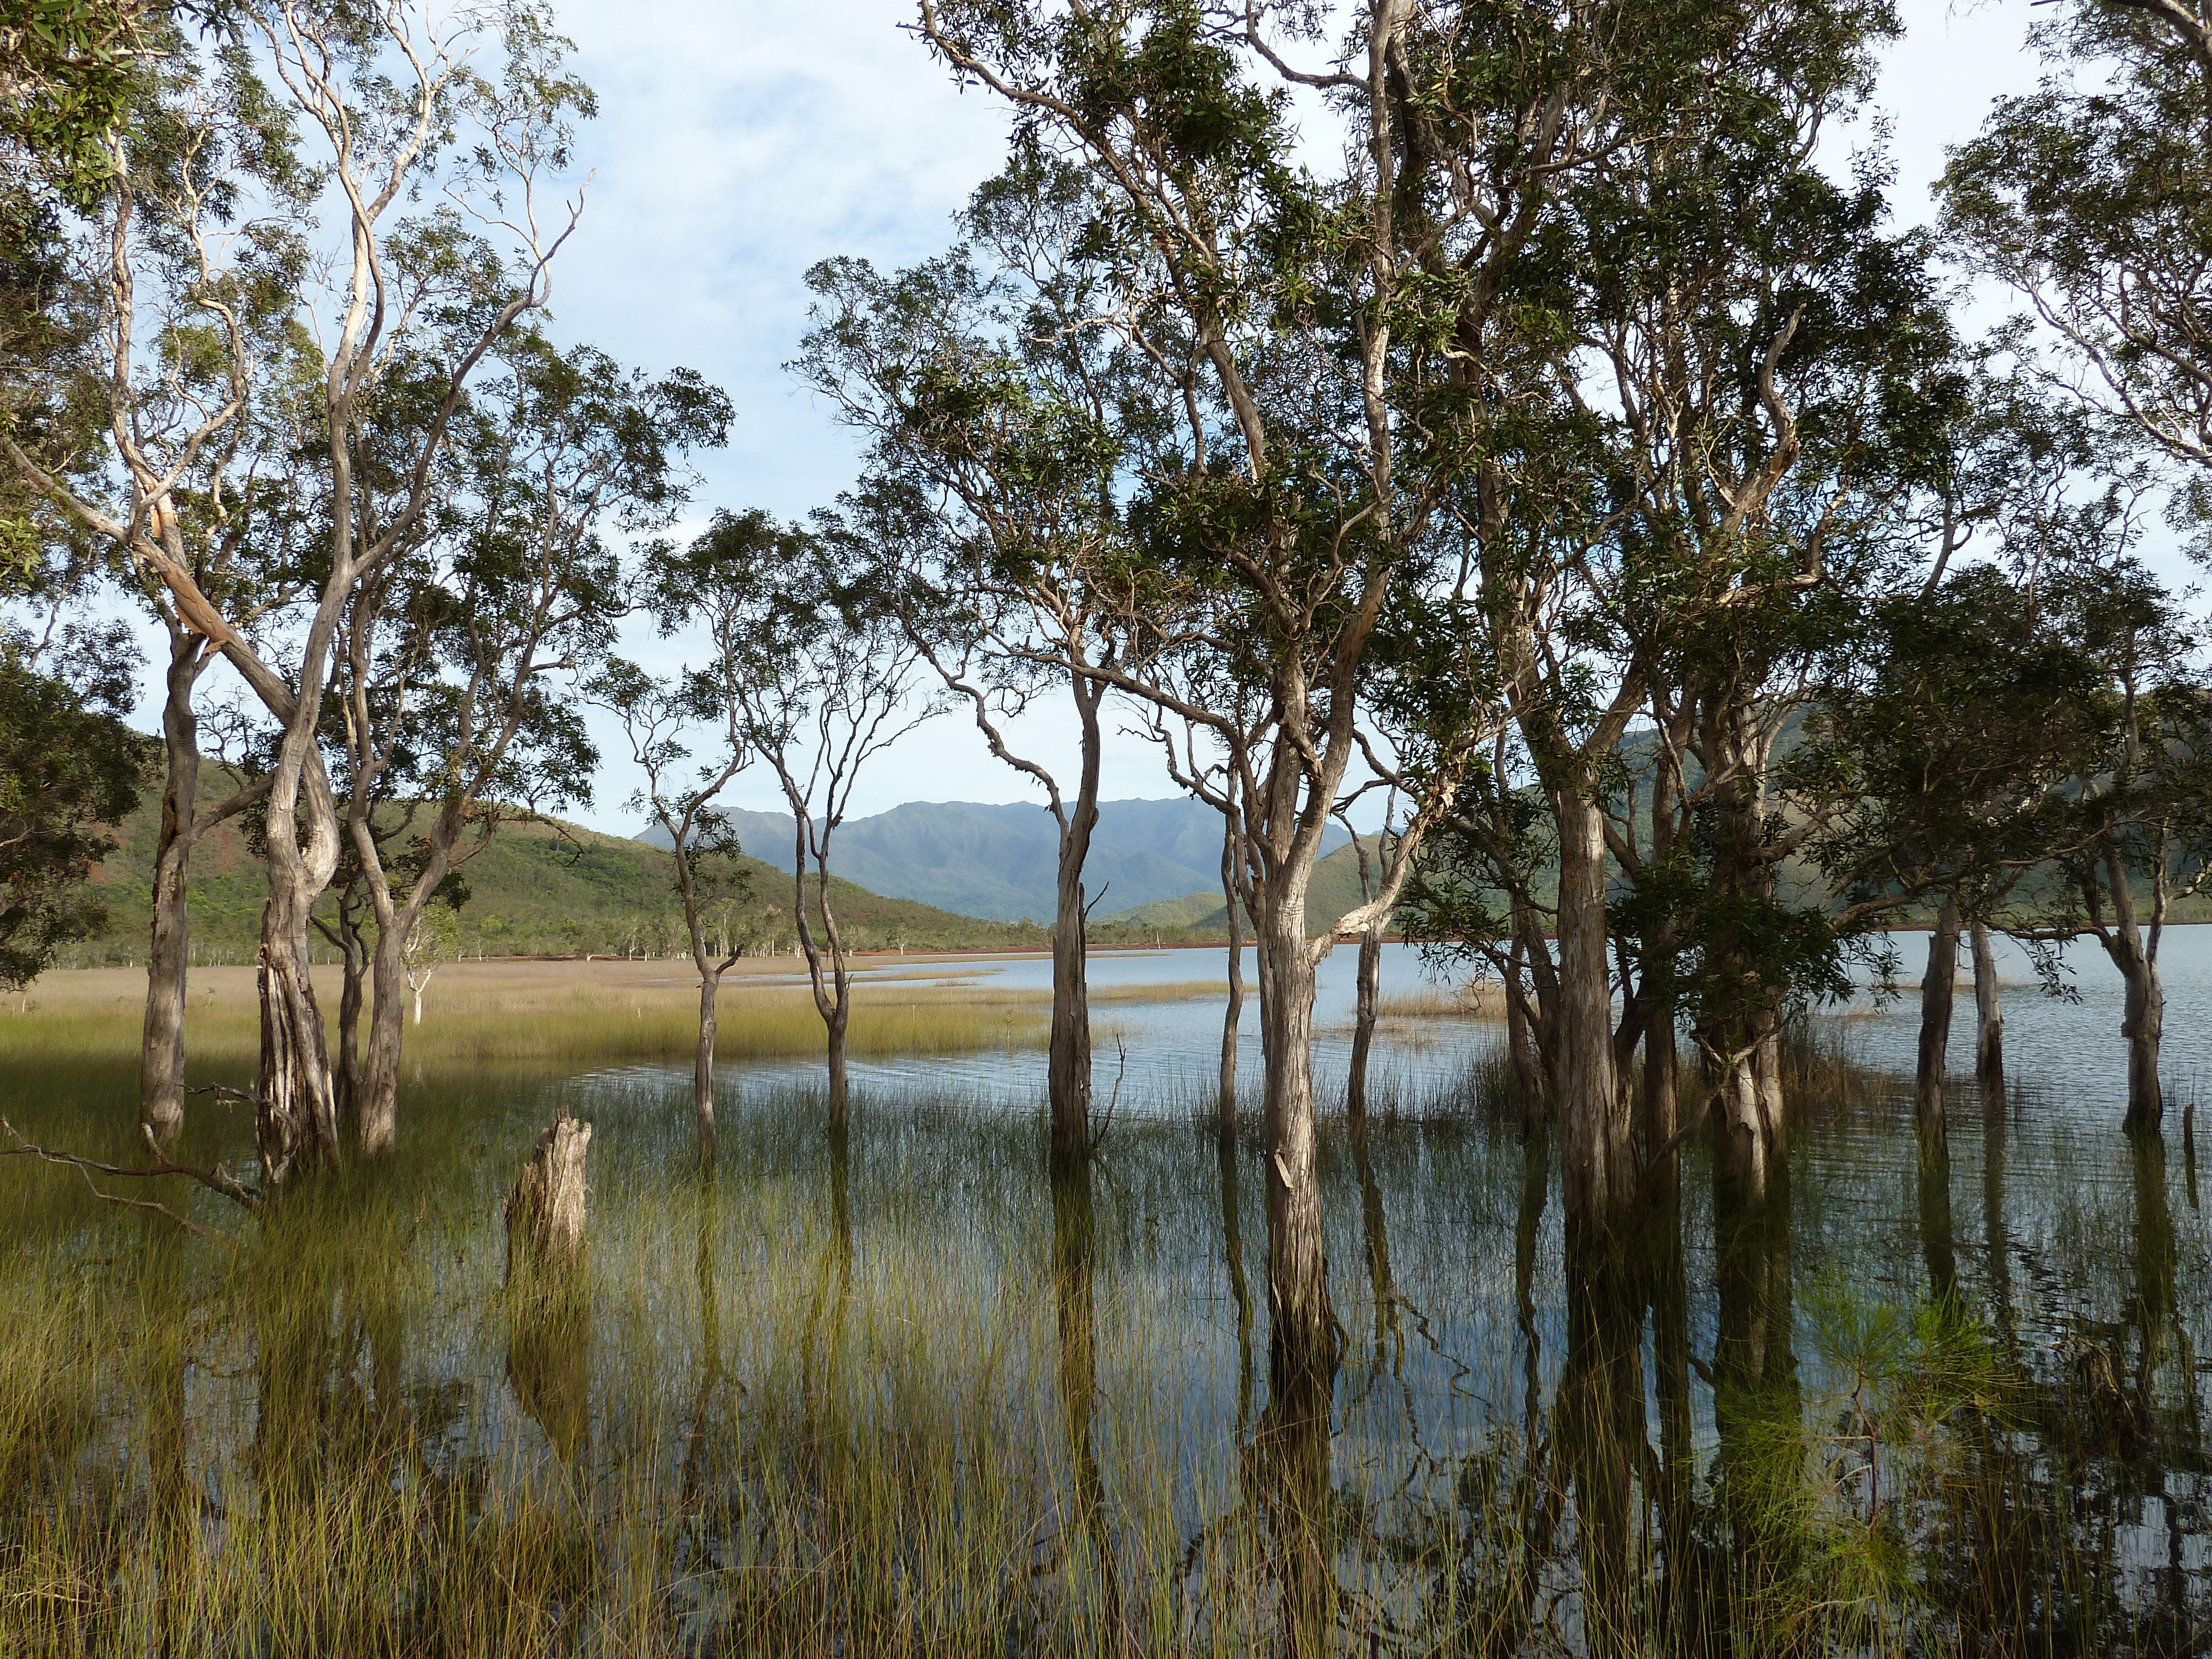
<point x="1333" y="890"/>
<point x="1000" y="862"/>
<point x="536" y="888"/>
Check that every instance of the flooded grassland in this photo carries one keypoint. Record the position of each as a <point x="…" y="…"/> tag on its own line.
<point x="901" y="1391"/>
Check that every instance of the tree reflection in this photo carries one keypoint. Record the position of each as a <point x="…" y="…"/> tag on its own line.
<point x="1073" y="1268"/>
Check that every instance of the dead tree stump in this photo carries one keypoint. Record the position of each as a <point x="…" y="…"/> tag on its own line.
<point x="545" y="1212"/>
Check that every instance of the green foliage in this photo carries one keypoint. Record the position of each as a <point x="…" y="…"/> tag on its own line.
<point x="68" y="769"/>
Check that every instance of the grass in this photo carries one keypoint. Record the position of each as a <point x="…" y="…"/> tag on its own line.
<point x="902" y="1393"/>
<point x="555" y="1013"/>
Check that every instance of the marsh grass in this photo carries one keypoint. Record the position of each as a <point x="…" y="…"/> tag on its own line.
<point x="900" y="1393"/>
<point x="552" y="1014"/>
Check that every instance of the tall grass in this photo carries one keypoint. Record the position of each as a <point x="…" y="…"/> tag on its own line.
<point x="901" y="1393"/>
<point x="549" y="1013"/>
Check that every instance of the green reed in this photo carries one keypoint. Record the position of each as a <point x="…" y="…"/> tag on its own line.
<point x="901" y="1393"/>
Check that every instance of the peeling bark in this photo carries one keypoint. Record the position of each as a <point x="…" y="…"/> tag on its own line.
<point x="162" y="1053"/>
<point x="1598" y="1166"/>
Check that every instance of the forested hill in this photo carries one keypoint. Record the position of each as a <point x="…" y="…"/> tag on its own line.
<point x="537" y="889"/>
<point x="1000" y="860"/>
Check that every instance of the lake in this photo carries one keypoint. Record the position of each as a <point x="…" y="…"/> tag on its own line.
<point x="900" y="1392"/>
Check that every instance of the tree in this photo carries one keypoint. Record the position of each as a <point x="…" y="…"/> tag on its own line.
<point x="1002" y="430"/>
<point x="153" y="392"/>
<point x="1285" y="505"/>
<point x="2091" y="198"/>
<point x="2139" y="821"/>
<point x="69" y="767"/>
<point x="513" y="578"/>
<point x="434" y="938"/>
<point x="823" y="674"/>
<point x="399" y="110"/>
<point x="695" y="586"/>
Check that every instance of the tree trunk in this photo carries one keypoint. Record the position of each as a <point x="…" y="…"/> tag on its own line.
<point x="1744" y="1046"/>
<point x="1519" y="1043"/>
<point x="162" y="1053"/>
<point x="2143" y="1018"/>
<point x="2144" y="1023"/>
<point x="1662" y="1101"/>
<point x="1989" y="1022"/>
<point x="1233" y="1015"/>
<point x="296" y="1119"/>
<point x="838" y="1092"/>
<point x="1661" y="1064"/>
<point x="380" y="1086"/>
<point x="354" y="960"/>
<point x="1068" y="1064"/>
<point x="1936" y="994"/>
<point x="702" y="1067"/>
<point x="1302" y="1331"/>
<point x="544" y="1212"/>
<point x="1363" y="1026"/>
<point x="1598" y="1171"/>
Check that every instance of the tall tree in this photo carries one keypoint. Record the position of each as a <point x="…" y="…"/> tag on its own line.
<point x="825" y="674"/>
<point x="2091" y="198"/>
<point x="1003" y="428"/>
<point x="154" y="393"/>
<point x="514" y="582"/>
<point x="1281" y="318"/>
<point x="399" y="110"/>
<point x="698" y="587"/>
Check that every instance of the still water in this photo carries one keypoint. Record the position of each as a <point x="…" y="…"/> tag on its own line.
<point x="899" y="1392"/>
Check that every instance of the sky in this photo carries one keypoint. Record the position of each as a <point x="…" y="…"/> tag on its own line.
<point x="740" y="140"/>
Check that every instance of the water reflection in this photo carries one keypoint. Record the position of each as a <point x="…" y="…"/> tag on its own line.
<point x="1943" y="1396"/>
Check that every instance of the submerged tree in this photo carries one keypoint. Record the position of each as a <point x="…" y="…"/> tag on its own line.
<point x="398" y="109"/>
<point x="823" y="674"/>
<point x="1002" y="429"/>
<point x="449" y="653"/>
<point x="155" y="405"/>
<point x="698" y="587"/>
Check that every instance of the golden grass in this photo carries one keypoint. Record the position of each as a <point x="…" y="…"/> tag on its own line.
<point x="1476" y="999"/>
<point x="476" y="1013"/>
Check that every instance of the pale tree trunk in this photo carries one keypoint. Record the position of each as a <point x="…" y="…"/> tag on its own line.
<point x="162" y="1053"/>
<point x="702" y="1063"/>
<point x="396" y="923"/>
<point x="1747" y="1050"/>
<point x="833" y="997"/>
<point x="297" y="1121"/>
<point x="1068" y="1057"/>
<point x="1936" y="997"/>
<point x="353" y="961"/>
<point x="1597" y="1164"/>
<point x="417" y="990"/>
<point x="1989" y="1021"/>
<point x="1302" y="1333"/>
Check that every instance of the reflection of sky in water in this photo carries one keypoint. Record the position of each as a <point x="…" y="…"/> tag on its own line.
<point x="2068" y="1054"/>
<point x="1174" y="1047"/>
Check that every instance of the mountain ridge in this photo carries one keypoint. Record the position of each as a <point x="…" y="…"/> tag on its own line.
<point x="999" y="861"/>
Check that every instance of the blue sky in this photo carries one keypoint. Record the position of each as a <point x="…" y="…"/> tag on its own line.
<point x="740" y="140"/>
